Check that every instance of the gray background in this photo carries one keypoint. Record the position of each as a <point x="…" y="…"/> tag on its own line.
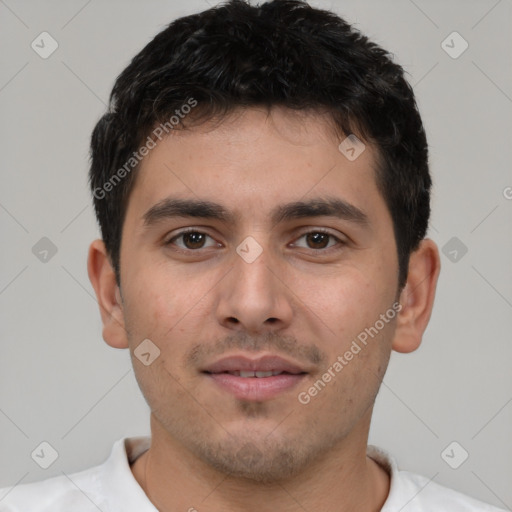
<point x="60" y="383"/>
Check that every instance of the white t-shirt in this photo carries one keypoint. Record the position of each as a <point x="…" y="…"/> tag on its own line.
<point x="111" y="487"/>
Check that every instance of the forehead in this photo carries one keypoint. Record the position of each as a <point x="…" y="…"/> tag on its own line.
<point x="252" y="160"/>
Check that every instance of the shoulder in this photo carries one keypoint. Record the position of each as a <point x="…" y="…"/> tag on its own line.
<point x="77" y="492"/>
<point x="411" y="492"/>
<point x="107" y="486"/>
<point x="422" y="494"/>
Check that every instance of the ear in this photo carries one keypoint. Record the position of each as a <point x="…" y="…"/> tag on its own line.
<point x="102" y="277"/>
<point x="417" y="297"/>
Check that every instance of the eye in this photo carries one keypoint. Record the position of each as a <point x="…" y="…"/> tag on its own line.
<point x="319" y="239"/>
<point x="191" y="240"/>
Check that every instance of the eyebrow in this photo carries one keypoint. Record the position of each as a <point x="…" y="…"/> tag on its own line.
<point x="172" y="207"/>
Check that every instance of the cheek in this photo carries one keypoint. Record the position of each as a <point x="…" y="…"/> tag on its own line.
<point x="157" y="301"/>
<point x="171" y="316"/>
<point x="346" y="301"/>
<point x="146" y="307"/>
<point x="349" y="383"/>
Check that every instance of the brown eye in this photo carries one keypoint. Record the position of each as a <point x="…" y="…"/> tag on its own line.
<point x="190" y="240"/>
<point x="193" y="240"/>
<point x="318" y="240"/>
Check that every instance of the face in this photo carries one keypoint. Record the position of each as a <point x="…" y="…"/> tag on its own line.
<point x="253" y="281"/>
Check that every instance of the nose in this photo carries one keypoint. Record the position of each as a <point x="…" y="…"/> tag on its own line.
<point x="254" y="296"/>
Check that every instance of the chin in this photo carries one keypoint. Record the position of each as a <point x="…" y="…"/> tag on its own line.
<point x="265" y="461"/>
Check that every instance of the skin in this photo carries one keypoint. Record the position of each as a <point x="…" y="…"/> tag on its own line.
<point x="304" y="299"/>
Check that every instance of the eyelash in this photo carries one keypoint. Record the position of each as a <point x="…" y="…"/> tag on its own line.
<point x="314" y="231"/>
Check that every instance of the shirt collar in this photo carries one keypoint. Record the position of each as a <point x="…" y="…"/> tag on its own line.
<point x="394" y="501"/>
<point x="122" y="490"/>
<point x="120" y="487"/>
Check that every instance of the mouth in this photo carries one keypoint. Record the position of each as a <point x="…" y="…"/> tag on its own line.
<point x="255" y="379"/>
<point x="257" y="374"/>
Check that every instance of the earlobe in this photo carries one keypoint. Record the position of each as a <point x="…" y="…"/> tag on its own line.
<point x="417" y="297"/>
<point x="102" y="277"/>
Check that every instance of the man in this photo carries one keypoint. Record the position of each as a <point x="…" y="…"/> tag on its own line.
<point x="262" y="187"/>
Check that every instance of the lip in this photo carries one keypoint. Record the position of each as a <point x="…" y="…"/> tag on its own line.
<point x="255" y="388"/>
<point x="260" y="364"/>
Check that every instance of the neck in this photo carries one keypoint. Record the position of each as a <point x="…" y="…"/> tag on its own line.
<point x="344" y="479"/>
